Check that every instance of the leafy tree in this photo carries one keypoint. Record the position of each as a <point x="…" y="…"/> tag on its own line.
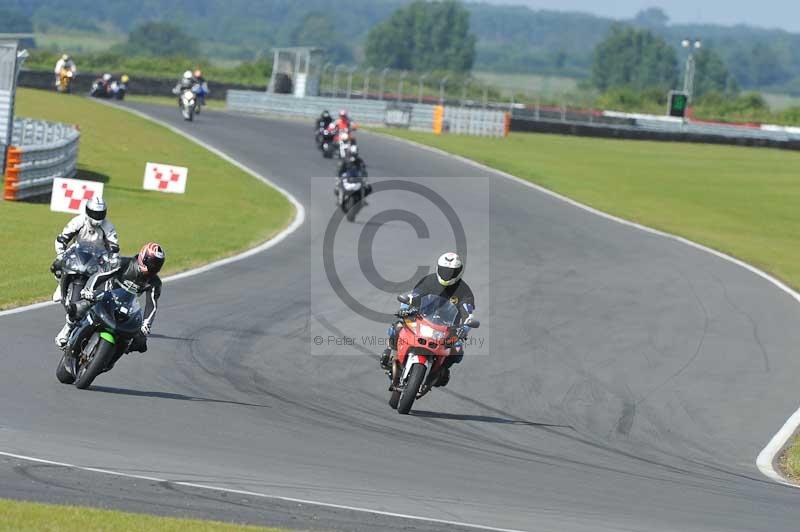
<point x="13" y="21"/>
<point x="318" y="30"/>
<point x="423" y="36"/>
<point x="161" y="39"/>
<point x="633" y="58"/>
<point x="711" y="74"/>
<point x="653" y="17"/>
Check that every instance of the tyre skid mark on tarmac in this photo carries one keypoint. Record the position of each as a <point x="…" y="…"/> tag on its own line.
<point x="765" y="461"/>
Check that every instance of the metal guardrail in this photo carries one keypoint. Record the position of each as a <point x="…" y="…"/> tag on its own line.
<point x="40" y="152"/>
<point x="465" y="120"/>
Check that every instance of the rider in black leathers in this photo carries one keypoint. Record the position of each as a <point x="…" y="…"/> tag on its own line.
<point x="138" y="274"/>
<point x="447" y="283"/>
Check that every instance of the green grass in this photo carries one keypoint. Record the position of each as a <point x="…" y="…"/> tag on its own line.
<point x="35" y="517"/>
<point x="224" y="210"/>
<point x="790" y="461"/>
<point x="742" y="201"/>
<point x="73" y="42"/>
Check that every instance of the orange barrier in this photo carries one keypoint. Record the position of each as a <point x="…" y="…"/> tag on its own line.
<point x="13" y="159"/>
<point x="507" y="124"/>
<point x="438" y="119"/>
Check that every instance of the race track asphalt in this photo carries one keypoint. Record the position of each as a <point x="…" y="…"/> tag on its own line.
<point x="630" y="383"/>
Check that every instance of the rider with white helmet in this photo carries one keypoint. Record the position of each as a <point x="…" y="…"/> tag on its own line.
<point x="92" y="227"/>
<point x="447" y="282"/>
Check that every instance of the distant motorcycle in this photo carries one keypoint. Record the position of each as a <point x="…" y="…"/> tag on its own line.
<point x="429" y="335"/>
<point x="351" y="189"/>
<point x="325" y="142"/>
<point x="99" y="89"/>
<point x="80" y="262"/>
<point x="104" y="334"/>
<point x="344" y="140"/>
<point x="64" y="84"/>
<point x="118" y="89"/>
<point x="188" y="104"/>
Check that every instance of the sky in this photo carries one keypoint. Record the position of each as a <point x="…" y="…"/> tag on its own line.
<point x="784" y="14"/>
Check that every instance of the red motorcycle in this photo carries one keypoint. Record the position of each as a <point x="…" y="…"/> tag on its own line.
<point x="429" y="335"/>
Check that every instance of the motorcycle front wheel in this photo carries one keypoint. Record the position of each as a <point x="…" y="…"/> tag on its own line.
<point x="411" y="389"/>
<point x="98" y="360"/>
<point x="64" y="376"/>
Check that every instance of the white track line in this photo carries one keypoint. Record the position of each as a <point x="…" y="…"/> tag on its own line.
<point x="299" y="218"/>
<point x="766" y="458"/>
<point x="260" y="495"/>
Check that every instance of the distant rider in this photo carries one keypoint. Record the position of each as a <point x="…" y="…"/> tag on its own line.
<point x="138" y="274"/>
<point x="186" y="82"/>
<point x="446" y="283"/>
<point x="323" y="121"/>
<point x="64" y="62"/>
<point x="202" y="86"/>
<point x="343" y="122"/>
<point x="92" y="227"/>
<point x="353" y="162"/>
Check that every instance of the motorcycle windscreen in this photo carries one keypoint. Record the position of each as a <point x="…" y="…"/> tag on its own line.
<point x="438" y="310"/>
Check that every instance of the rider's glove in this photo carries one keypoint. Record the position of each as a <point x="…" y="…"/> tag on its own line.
<point x="406" y="312"/>
<point x="462" y="332"/>
<point x="145" y="328"/>
<point x="87" y="294"/>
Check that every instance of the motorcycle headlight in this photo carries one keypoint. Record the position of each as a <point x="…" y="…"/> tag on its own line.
<point x="352" y="185"/>
<point x="426" y="331"/>
<point x="344" y="137"/>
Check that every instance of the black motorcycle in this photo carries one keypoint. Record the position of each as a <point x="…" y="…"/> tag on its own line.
<point x="79" y="263"/>
<point x="325" y="142"/>
<point x="351" y="189"/>
<point x="101" y="338"/>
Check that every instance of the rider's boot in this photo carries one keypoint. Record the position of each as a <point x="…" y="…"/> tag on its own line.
<point x="443" y="379"/>
<point x="386" y="359"/>
<point x="63" y="335"/>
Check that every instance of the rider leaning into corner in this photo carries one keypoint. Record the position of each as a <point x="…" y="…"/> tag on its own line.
<point x="446" y="283"/>
<point x="139" y="274"/>
<point x="92" y="227"/>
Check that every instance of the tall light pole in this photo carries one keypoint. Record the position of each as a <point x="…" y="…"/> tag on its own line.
<point x="421" y="86"/>
<point x="336" y="80"/>
<point x="325" y="67"/>
<point x="403" y="75"/>
<point x="350" y="81"/>
<point x="367" y="72"/>
<point x="688" y="74"/>
<point x="441" y="89"/>
<point x="383" y="81"/>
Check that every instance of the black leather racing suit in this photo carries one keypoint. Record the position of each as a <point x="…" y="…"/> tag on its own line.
<point x="460" y="294"/>
<point x="127" y="274"/>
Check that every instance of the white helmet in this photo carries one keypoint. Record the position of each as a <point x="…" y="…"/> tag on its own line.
<point x="96" y="211"/>
<point x="449" y="269"/>
<point x="106" y="77"/>
<point x="187" y="74"/>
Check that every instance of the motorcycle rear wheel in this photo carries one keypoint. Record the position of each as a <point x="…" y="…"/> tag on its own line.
<point x="411" y="389"/>
<point x="103" y="352"/>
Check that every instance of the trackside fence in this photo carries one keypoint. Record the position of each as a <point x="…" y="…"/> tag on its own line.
<point x="417" y="116"/>
<point x="39" y="152"/>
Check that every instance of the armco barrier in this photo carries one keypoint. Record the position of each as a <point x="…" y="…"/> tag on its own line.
<point x="147" y="86"/>
<point x="40" y="151"/>
<point x="637" y="133"/>
<point x="424" y="117"/>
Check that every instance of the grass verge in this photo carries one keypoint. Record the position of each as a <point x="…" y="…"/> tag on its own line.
<point x="224" y="211"/>
<point x="789" y="461"/>
<point x="742" y="201"/>
<point x="35" y="517"/>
